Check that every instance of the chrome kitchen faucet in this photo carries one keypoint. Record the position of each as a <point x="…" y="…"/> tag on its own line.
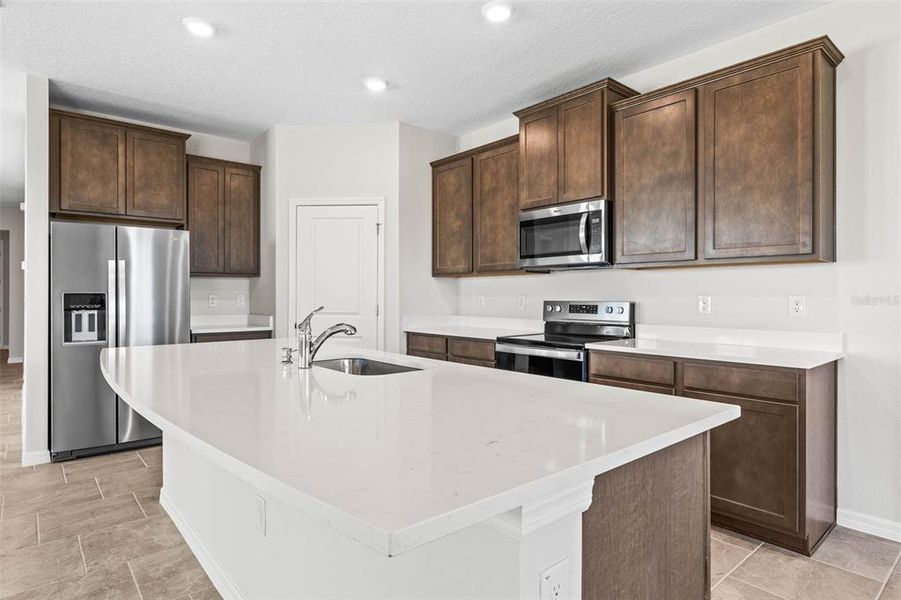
<point x="307" y="347"/>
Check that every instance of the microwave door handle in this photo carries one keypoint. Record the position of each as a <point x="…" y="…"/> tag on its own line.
<point x="583" y="233"/>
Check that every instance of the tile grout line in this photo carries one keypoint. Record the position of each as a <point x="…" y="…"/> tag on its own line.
<point x="141" y="458"/>
<point x="757" y="587"/>
<point x="37" y="526"/>
<point x="842" y="569"/>
<point x="84" y="563"/>
<point x="65" y="479"/>
<point x="134" y="579"/>
<point x="2" y="505"/>
<point x="759" y="544"/>
<point x="135" y="496"/>
<point x="732" y="570"/>
<point x="890" y="573"/>
<point x="99" y="489"/>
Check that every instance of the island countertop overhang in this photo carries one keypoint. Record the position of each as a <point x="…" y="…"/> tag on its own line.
<point x="400" y="460"/>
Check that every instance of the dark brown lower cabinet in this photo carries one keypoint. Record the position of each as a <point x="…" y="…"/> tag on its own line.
<point x="654" y="511"/>
<point x="466" y="351"/>
<point x="773" y="470"/>
<point x="232" y="336"/>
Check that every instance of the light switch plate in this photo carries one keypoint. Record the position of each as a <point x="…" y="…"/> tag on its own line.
<point x="212" y="300"/>
<point x="260" y="515"/>
<point x="241" y="300"/>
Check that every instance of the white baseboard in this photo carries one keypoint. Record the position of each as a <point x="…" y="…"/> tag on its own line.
<point x="38" y="457"/>
<point x="221" y="580"/>
<point x="884" y="528"/>
<point x="13" y="360"/>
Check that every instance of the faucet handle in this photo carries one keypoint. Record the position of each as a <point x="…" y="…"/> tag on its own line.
<point x="305" y="324"/>
<point x="288" y="357"/>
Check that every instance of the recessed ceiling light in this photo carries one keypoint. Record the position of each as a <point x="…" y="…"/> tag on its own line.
<point x="198" y="27"/>
<point x="374" y="84"/>
<point x="497" y="12"/>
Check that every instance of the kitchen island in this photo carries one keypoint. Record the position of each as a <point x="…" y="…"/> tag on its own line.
<point x="450" y="481"/>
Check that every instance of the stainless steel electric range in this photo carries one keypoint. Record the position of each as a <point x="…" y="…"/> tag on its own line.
<point x="568" y="326"/>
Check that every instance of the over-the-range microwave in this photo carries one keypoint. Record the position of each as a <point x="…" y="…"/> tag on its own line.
<point x="571" y="236"/>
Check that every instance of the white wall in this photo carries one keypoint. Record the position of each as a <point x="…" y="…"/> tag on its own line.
<point x="37" y="281"/>
<point x="420" y="293"/>
<point x="13" y="221"/>
<point x="327" y="161"/>
<point x="262" y="288"/>
<point x="756" y="296"/>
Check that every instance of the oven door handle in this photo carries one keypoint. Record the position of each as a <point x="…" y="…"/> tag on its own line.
<point x="574" y="355"/>
<point x="583" y="233"/>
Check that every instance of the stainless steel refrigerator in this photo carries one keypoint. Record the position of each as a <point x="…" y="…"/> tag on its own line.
<point x="109" y="286"/>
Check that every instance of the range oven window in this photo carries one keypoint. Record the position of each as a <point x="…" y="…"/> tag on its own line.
<point x="549" y="237"/>
<point x="540" y="365"/>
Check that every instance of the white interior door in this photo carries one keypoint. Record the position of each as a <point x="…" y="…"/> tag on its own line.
<point x="337" y="266"/>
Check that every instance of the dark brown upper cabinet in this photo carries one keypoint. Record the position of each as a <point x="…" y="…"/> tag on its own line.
<point x="495" y="209"/>
<point x="564" y="145"/>
<point x="155" y="176"/>
<point x="224" y="217"/>
<point x="748" y="176"/>
<point x="452" y="218"/>
<point x="475" y="209"/>
<point x="112" y="170"/>
<point x="655" y="180"/>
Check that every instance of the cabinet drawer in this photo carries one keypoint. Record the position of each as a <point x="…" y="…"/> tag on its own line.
<point x="482" y="350"/>
<point x="231" y="336"/>
<point x="471" y="361"/>
<point x="742" y="381"/>
<point x="632" y="385"/>
<point x="656" y="371"/>
<point x="433" y="344"/>
<point x="432" y="355"/>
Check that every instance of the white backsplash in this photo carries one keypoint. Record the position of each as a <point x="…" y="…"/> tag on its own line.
<point x="227" y="291"/>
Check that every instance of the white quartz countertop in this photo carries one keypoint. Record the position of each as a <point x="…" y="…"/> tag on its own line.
<point x="395" y="461"/>
<point x="467" y="331"/>
<point x="754" y="355"/>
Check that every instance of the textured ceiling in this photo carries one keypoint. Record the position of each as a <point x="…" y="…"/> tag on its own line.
<point x="303" y="62"/>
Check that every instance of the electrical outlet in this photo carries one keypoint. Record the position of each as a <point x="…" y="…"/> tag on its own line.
<point x="212" y="300"/>
<point x="554" y="584"/>
<point x="480" y="301"/>
<point x="797" y="306"/>
<point x="521" y="301"/>
<point x="241" y="300"/>
<point x="704" y="307"/>
<point x="261" y="515"/>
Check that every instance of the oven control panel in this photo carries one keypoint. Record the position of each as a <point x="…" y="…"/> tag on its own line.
<point x="595" y="312"/>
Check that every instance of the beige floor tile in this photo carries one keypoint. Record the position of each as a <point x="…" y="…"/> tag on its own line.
<point x="859" y="553"/>
<point x="733" y="589"/>
<point x="169" y="574"/>
<point x="38" y="565"/>
<point x="23" y="502"/>
<point x="149" y="498"/>
<point x="28" y="478"/>
<point x="85" y="517"/>
<point x="799" y="578"/>
<point x="96" y="466"/>
<point x="152" y="456"/>
<point x="723" y="558"/>
<point x="128" y="541"/>
<point x="892" y="589"/>
<point x="107" y="584"/>
<point x="18" y="532"/>
<point x="734" y="538"/>
<point x="126" y="482"/>
<point x="207" y="594"/>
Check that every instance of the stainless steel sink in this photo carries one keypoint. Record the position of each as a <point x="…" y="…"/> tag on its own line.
<point x="362" y="366"/>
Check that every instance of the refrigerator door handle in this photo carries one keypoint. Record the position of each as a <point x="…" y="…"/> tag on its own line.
<point x="122" y="304"/>
<point x="112" y="322"/>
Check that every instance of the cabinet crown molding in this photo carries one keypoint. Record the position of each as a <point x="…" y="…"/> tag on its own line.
<point x="125" y="124"/>
<point x="473" y="151"/>
<point x="606" y="83"/>
<point x="823" y="43"/>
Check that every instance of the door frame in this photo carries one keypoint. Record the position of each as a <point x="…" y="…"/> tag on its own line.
<point x="296" y="203"/>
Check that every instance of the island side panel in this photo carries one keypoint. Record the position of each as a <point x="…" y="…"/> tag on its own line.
<point x="647" y="532"/>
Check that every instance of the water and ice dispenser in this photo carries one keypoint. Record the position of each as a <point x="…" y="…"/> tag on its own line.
<point x="84" y="318"/>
